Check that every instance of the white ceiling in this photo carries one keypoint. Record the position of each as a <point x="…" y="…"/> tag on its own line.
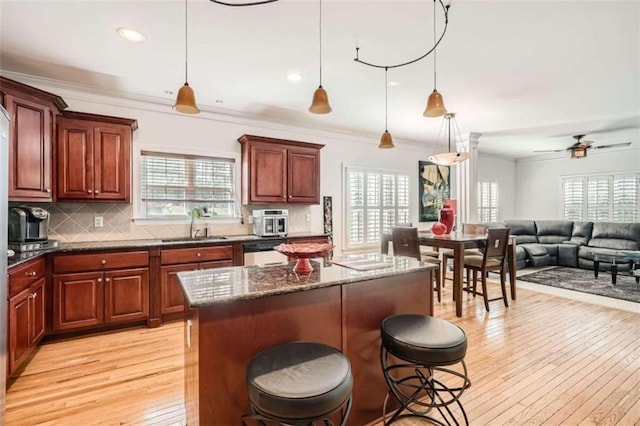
<point x="525" y="74"/>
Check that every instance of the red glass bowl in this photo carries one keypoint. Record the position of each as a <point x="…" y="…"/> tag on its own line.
<point x="302" y="252"/>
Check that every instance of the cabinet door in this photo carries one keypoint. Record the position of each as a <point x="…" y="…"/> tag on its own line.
<point x="112" y="163"/>
<point x="126" y="295"/>
<point x="75" y="160"/>
<point x="19" y="339"/>
<point x="37" y="323"/>
<point x="78" y="300"/>
<point x="268" y="173"/>
<point x="171" y="294"/>
<point x="303" y="175"/>
<point x="29" y="150"/>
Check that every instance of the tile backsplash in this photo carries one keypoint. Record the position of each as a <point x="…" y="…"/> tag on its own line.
<point x="75" y="222"/>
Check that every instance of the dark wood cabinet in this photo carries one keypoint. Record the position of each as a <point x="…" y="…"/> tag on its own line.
<point x="94" y="157"/>
<point x="100" y="288"/>
<point x="26" y="312"/>
<point x="33" y="115"/>
<point x="279" y="171"/>
<point x="186" y="259"/>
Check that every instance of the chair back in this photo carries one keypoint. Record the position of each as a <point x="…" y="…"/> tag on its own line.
<point x="406" y="242"/>
<point x="497" y="243"/>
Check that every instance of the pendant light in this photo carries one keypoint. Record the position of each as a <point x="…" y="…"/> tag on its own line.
<point x="186" y="99"/>
<point x="435" y="103"/>
<point x="449" y="158"/>
<point x="386" y="142"/>
<point x="320" y="103"/>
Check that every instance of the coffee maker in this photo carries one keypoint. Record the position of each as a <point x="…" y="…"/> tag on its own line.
<point x="28" y="229"/>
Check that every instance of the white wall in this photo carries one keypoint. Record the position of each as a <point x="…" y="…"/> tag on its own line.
<point x="161" y="128"/>
<point x="503" y="172"/>
<point x="539" y="193"/>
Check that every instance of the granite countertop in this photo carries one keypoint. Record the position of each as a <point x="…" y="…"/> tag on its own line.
<point x="20" y="258"/>
<point x="210" y="286"/>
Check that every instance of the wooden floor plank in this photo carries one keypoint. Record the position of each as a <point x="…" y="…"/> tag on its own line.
<point x="544" y="360"/>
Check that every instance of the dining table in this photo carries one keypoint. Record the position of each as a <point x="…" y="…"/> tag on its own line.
<point x="458" y="242"/>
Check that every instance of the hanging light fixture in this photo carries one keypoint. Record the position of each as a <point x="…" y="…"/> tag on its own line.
<point x="320" y="103"/>
<point x="449" y="158"/>
<point x="186" y="99"/>
<point x="435" y="103"/>
<point x="386" y="141"/>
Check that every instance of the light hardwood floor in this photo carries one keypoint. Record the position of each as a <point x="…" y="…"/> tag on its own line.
<point x="546" y="360"/>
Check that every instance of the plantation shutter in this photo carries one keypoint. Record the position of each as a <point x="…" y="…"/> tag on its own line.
<point x="487" y="201"/>
<point x="171" y="184"/>
<point x="625" y="198"/>
<point x="573" y="206"/>
<point x="598" y="198"/>
<point x="376" y="202"/>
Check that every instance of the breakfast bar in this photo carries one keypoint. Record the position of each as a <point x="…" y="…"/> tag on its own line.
<point x="236" y="312"/>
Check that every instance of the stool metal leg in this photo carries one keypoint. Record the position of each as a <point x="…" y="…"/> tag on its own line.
<point x="264" y="420"/>
<point x="419" y="393"/>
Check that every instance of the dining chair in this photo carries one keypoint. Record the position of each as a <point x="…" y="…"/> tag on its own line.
<point x="492" y="259"/>
<point x="407" y="243"/>
<point x="448" y="253"/>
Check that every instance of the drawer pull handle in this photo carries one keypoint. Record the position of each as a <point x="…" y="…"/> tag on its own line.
<point x="104" y="262"/>
<point x="96" y="191"/>
<point x="99" y="280"/>
<point x="48" y="190"/>
<point x="34" y="295"/>
<point x="30" y="274"/>
<point x="89" y="192"/>
<point x="198" y="255"/>
<point x="107" y="279"/>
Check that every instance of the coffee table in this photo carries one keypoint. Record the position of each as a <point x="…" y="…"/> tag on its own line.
<point x="613" y="260"/>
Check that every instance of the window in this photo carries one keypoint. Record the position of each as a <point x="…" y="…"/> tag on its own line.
<point x="172" y="184"/>
<point x="375" y="201"/>
<point x="611" y="198"/>
<point x="487" y="201"/>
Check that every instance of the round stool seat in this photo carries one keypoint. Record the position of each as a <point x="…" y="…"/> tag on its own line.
<point x="422" y="339"/>
<point x="299" y="380"/>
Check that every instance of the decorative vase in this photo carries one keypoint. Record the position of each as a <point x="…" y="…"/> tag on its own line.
<point x="438" y="228"/>
<point x="447" y="218"/>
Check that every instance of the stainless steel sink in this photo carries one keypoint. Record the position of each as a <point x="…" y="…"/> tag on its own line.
<point x="193" y="239"/>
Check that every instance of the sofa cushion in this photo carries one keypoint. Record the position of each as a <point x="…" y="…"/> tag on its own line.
<point x="538" y="254"/>
<point x="581" y="233"/>
<point x="616" y="235"/>
<point x="523" y="230"/>
<point x="553" y="231"/>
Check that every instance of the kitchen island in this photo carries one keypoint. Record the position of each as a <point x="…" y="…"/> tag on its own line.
<point x="237" y="312"/>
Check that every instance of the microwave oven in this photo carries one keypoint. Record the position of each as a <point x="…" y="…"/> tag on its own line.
<point x="271" y="222"/>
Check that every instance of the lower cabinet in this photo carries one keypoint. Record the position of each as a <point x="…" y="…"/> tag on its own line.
<point x="117" y="292"/>
<point x="26" y="323"/>
<point x="186" y="259"/>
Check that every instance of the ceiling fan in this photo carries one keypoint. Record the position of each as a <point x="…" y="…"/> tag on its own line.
<point x="580" y="147"/>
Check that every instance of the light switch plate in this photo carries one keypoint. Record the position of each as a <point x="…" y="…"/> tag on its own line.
<point x="98" y="221"/>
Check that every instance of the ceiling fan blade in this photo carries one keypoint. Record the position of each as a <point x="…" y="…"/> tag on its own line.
<point x="612" y="145"/>
<point x="552" y="150"/>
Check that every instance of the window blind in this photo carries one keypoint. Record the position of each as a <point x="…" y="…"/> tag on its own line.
<point x="573" y="194"/>
<point x="625" y="198"/>
<point x="598" y="198"/>
<point x="602" y="198"/>
<point x="172" y="184"/>
<point x="376" y="201"/>
<point x="487" y="201"/>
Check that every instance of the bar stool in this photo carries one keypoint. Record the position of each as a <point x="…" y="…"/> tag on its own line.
<point x="299" y="383"/>
<point x="415" y="356"/>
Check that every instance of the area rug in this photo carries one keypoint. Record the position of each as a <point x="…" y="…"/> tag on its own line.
<point x="584" y="281"/>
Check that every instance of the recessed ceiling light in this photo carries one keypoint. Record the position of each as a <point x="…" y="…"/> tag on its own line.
<point x="131" y="35"/>
<point x="294" y="76"/>
<point x="167" y="92"/>
<point x="393" y="83"/>
<point x="219" y="101"/>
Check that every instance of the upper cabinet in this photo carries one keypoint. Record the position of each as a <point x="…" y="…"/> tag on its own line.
<point x="33" y="115"/>
<point x="279" y="171"/>
<point x="94" y="157"/>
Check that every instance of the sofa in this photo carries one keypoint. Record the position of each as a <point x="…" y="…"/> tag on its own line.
<point x="569" y="243"/>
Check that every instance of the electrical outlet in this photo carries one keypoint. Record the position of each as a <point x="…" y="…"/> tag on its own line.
<point x="307" y="217"/>
<point x="98" y="221"/>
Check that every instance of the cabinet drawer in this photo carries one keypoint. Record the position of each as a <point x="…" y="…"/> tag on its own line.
<point x="22" y="276"/>
<point x="196" y="254"/>
<point x="100" y="261"/>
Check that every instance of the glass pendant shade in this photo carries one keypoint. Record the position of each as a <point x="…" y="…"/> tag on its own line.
<point x="449" y="158"/>
<point x="435" y="105"/>
<point x="320" y="103"/>
<point x="186" y="101"/>
<point x="386" y="141"/>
